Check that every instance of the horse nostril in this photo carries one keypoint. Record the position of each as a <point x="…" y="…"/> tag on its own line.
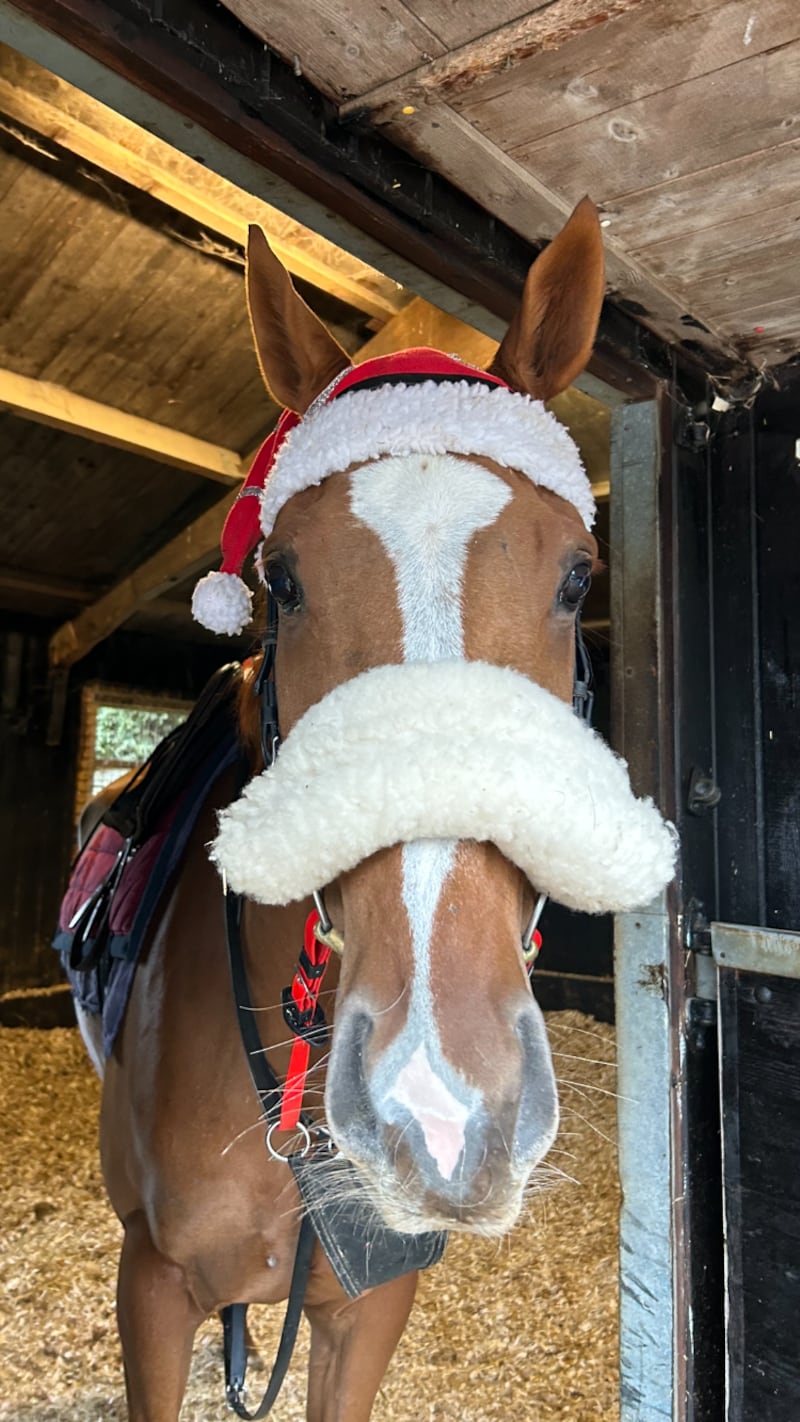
<point x="349" y="1107"/>
<point x="537" y="1118"/>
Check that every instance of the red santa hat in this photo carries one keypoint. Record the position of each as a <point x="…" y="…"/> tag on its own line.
<point x="414" y="402"/>
<point x="222" y="601"/>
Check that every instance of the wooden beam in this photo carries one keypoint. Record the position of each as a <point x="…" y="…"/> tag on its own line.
<point x="177" y="560"/>
<point x="76" y="123"/>
<point x="49" y="404"/>
<point x="18" y="580"/>
<point x="422" y="324"/>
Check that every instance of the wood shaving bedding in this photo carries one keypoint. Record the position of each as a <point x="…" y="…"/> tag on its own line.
<point x="527" y="1324"/>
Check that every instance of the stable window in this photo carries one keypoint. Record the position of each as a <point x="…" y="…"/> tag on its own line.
<point x="119" y="729"/>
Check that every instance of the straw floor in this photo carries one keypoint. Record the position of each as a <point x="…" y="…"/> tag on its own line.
<point x="523" y="1327"/>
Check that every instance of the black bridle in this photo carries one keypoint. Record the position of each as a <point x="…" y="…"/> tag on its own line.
<point x="264" y="685"/>
<point x="265" y="689"/>
<point x="582" y="678"/>
<point x="266" y="1084"/>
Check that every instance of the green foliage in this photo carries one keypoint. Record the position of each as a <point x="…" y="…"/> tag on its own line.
<point x="125" y="735"/>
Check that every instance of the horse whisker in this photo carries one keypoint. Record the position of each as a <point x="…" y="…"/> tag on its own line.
<point x="581" y="1086"/>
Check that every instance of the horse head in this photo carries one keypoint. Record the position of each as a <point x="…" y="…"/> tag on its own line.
<point x="427" y="542"/>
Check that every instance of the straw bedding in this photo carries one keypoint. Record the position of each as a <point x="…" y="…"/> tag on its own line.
<point x="526" y="1326"/>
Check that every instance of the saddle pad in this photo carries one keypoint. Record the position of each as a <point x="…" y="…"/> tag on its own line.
<point x="104" y="989"/>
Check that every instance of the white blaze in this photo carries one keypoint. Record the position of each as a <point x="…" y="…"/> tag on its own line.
<point x="426" y="509"/>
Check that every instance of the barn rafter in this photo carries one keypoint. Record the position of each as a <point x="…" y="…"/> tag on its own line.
<point x="49" y="404"/>
<point x="93" y="134"/>
<point x="176" y="561"/>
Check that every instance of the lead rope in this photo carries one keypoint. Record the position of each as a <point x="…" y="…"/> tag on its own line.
<point x="268" y="1090"/>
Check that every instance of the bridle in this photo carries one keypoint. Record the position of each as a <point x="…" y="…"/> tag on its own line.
<point x="265" y="689"/>
<point x="281" y="1103"/>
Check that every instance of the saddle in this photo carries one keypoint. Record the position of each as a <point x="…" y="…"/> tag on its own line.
<point x="137" y="811"/>
<point x="120" y="874"/>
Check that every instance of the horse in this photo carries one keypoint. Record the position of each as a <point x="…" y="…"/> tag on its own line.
<point x="427" y="588"/>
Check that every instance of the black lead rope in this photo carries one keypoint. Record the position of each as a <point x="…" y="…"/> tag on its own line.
<point x="268" y="1090"/>
<point x="234" y="1319"/>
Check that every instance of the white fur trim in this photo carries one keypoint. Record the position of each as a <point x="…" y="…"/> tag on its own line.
<point x="429" y="418"/>
<point x="223" y="603"/>
<point x="446" y="750"/>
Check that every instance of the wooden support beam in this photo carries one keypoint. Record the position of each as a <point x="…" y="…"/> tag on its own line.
<point x="88" y="130"/>
<point x="177" y="560"/>
<point x="422" y="324"/>
<point x="18" y="580"/>
<point x="49" y="404"/>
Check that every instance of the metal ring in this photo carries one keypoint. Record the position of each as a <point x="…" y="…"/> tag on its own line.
<point x="527" y="937"/>
<point x="278" y="1155"/>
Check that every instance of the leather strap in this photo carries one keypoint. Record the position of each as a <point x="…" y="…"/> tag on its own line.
<point x="267" y="1086"/>
<point x="233" y="1323"/>
<point x="268" y="1090"/>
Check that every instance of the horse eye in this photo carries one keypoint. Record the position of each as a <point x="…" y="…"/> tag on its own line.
<point x="283" y="587"/>
<point x="575" y="587"/>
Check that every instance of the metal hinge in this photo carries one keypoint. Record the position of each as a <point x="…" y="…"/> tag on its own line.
<point x="696" y="929"/>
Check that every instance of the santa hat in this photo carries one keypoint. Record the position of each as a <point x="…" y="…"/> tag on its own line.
<point x="415" y="402"/>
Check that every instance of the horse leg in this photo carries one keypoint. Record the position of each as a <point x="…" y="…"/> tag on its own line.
<point x="157" y="1320"/>
<point x="352" y="1342"/>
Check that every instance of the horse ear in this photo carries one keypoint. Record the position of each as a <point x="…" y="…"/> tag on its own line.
<point x="551" y="336"/>
<point x="297" y="353"/>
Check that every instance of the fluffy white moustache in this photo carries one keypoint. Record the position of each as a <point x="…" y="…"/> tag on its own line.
<point x="446" y="750"/>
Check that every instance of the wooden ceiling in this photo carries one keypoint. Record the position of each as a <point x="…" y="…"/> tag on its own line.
<point x="679" y="117"/>
<point x="130" y="397"/>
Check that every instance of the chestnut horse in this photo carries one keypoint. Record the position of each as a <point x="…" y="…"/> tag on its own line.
<point x="439" y="1085"/>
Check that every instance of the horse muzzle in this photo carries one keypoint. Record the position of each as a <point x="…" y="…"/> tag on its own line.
<point x="432" y="1158"/>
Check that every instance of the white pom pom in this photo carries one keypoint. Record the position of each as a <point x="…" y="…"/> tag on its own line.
<point x="222" y="603"/>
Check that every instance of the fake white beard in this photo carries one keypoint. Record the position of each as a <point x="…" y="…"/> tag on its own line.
<point x="446" y="750"/>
